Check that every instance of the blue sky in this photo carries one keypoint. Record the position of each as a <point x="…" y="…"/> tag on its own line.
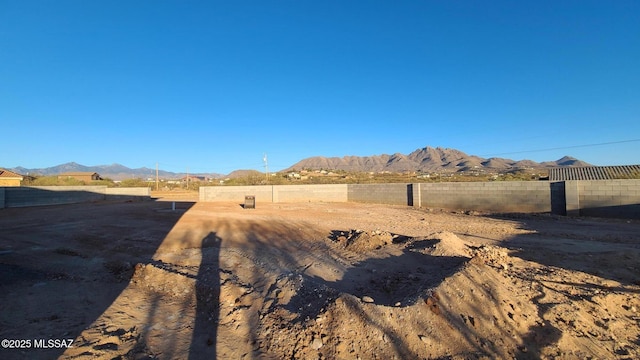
<point x="213" y="85"/>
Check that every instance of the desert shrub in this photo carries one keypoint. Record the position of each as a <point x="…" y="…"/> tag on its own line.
<point x="53" y="181"/>
<point x="134" y="183"/>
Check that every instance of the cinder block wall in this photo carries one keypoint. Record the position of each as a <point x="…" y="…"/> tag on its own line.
<point x="507" y="196"/>
<point x="315" y="193"/>
<point x="610" y="198"/>
<point x="51" y="195"/>
<point x="606" y="198"/>
<point x="55" y="195"/>
<point x="275" y="193"/>
<point x="263" y="193"/>
<point x="392" y="194"/>
<point x="132" y="193"/>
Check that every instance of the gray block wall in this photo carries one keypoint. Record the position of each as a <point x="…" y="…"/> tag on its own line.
<point x="133" y="193"/>
<point x="606" y="198"/>
<point x="502" y="196"/>
<point x="275" y="193"/>
<point x="392" y="194"/>
<point x="572" y="198"/>
<point x="313" y="193"/>
<point x="51" y="195"/>
<point x="54" y="195"/>
<point x="609" y="198"/>
<point x="263" y="193"/>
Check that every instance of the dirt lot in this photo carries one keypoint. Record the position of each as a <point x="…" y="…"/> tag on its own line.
<point x="137" y="280"/>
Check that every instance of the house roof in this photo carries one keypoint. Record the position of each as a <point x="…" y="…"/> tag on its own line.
<point x="79" y="173"/>
<point x="594" y="172"/>
<point x="9" y="174"/>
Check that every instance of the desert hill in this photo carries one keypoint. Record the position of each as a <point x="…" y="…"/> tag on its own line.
<point x="426" y="159"/>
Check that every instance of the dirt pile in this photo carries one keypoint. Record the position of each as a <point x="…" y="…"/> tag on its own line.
<point x="448" y="244"/>
<point x="360" y="241"/>
<point x="472" y="311"/>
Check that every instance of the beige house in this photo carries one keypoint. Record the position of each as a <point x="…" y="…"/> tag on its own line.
<point x="9" y="178"/>
<point x="82" y="176"/>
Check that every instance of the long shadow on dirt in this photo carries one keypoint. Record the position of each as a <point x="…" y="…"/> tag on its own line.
<point x="78" y="256"/>
<point x="588" y="245"/>
<point x="604" y="248"/>
<point x="203" y="343"/>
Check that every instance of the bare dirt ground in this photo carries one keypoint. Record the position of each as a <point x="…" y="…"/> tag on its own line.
<point x="314" y="281"/>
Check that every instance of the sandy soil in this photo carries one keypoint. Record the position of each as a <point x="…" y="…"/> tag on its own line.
<point x="314" y="281"/>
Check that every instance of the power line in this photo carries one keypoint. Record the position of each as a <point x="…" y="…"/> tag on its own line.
<point x="564" y="147"/>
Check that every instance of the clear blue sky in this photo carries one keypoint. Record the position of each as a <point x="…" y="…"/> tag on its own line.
<point x="213" y="85"/>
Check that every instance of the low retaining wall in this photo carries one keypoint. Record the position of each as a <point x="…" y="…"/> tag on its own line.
<point x="54" y="195"/>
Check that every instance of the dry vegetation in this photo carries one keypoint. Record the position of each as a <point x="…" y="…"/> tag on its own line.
<point x="346" y="177"/>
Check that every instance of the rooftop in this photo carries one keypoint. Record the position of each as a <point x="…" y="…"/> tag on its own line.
<point x="594" y="173"/>
<point x="77" y="173"/>
<point x="9" y="174"/>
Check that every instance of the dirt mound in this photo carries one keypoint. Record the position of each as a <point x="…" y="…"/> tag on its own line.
<point x="441" y="244"/>
<point x="362" y="241"/>
<point x="159" y="277"/>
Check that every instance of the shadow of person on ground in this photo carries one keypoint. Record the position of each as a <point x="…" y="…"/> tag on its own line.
<point x="207" y="289"/>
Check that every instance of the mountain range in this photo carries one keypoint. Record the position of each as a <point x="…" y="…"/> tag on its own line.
<point x="427" y="159"/>
<point x="113" y="171"/>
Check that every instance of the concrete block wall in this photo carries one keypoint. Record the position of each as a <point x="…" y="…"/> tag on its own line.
<point x="609" y="198"/>
<point x="54" y="195"/>
<point x="314" y="193"/>
<point x="263" y="193"/>
<point x="605" y="198"/>
<point x="275" y="193"/>
<point x="51" y="195"/>
<point x="392" y="194"/>
<point x="572" y="198"/>
<point x="132" y="193"/>
<point x="502" y="196"/>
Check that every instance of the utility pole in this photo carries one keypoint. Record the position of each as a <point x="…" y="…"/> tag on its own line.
<point x="157" y="180"/>
<point x="187" y="178"/>
<point x="266" y="167"/>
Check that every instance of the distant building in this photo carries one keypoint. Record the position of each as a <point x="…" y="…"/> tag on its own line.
<point x="594" y="173"/>
<point x="9" y="178"/>
<point x="192" y="178"/>
<point x="82" y="176"/>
